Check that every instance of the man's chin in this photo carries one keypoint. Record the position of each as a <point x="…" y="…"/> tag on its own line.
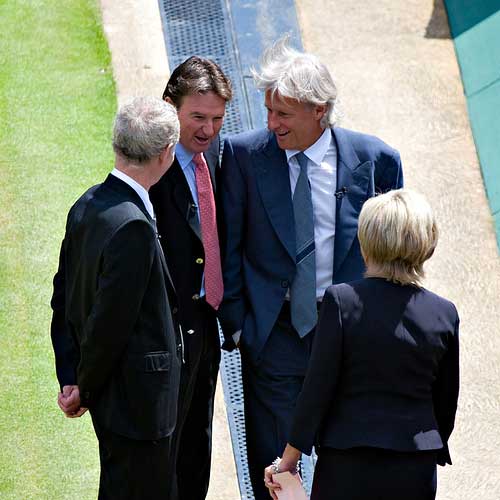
<point x="282" y="141"/>
<point x="201" y="146"/>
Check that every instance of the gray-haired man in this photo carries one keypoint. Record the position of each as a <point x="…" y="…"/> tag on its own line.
<point x="114" y="337"/>
<point x="291" y="197"/>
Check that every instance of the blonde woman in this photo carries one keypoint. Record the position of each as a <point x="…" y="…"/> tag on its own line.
<point x="380" y="395"/>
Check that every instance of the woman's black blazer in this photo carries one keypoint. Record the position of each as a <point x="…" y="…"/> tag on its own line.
<point x="383" y="371"/>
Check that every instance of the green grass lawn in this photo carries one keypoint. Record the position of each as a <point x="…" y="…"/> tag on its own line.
<point x="57" y="101"/>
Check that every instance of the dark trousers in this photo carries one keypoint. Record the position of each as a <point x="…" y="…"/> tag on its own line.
<point x="192" y="448"/>
<point x="375" y="474"/>
<point x="270" y="391"/>
<point x="131" y="469"/>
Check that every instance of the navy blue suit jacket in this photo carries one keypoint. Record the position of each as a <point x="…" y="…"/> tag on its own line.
<point x="259" y="232"/>
<point x="383" y="371"/>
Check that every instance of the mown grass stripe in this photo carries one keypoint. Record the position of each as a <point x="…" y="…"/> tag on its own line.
<point x="56" y="109"/>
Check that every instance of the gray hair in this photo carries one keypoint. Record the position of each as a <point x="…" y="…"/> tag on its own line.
<point x="298" y="76"/>
<point x="143" y="128"/>
<point x="397" y="233"/>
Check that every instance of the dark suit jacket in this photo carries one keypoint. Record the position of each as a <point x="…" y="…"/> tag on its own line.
<point x="180" y="233"/>
<point x="259" y="230"/>
<point x="111" y="314"/>
<point x="383" y="371"/>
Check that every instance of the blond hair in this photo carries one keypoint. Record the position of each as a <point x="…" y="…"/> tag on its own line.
<point x="397" y="233"/>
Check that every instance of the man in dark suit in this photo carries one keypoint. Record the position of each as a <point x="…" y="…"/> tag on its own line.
<point x="291" y="196"/>
<point x="112" y="330"/>
<point x="184" y="201"/>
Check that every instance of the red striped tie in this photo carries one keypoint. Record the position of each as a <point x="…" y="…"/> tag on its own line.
<point x="214" y="288"/>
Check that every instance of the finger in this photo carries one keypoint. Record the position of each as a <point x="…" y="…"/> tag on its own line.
<point x="71" y="398"/>
<point x="67" y="390"/>
<point x="69" y="406"/>
<point x="72" y="408"/>
<point x="64" y="400"/>
<point x="272" y="486"/>
<point x="62" y="403"/>
<point x="77" y="413"/>
<point x="80" y="412"/>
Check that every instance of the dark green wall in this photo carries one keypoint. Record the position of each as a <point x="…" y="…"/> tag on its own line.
<point x="475" y="27"/>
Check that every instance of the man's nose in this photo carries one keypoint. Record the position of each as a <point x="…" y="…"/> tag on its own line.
<point x="272" y="122"/>
<point x="208" y="128"/>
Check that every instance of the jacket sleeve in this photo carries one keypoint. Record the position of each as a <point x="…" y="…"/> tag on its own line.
<point x="66" y="352"/>
<point x="126" y="268"/>
<point x="322" y="376"/>
<point x="232" y="195"/>
<point x="445" y="394"/>
<point x="391" y="176"/>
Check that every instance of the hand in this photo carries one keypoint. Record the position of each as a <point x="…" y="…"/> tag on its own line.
<point x="69" y="401"/>
<point x="291" y="456"/>
<point x="271" y="485"/>
<point x="76" y="414"/>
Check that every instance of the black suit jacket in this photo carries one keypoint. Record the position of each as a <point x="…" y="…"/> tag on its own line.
<point x="112" y="318"/>
<point x="180" y="233"/>
<point x="383" y="371"/>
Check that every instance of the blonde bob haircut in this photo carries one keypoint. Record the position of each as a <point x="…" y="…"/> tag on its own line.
<point x="398" y="233"/>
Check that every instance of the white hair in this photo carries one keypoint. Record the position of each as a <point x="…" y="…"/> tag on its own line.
<point x="143" y="128"/>
<point x="298" y="76"/>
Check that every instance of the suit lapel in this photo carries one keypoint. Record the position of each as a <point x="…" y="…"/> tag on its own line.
<point x="125" y="189"/>
<point x="183" y="198"/>
<point x="355" y="180"/>
<point x="212" y="159"/>
<point x="273" y="180"/>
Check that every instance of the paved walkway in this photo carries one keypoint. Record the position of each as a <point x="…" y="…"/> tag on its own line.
<point x="398" y="78"/>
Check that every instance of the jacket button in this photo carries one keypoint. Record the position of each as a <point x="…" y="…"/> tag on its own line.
<point x="199" y="260"/>
<point x="285" y="284"/>
<point x="190" y="332"/>
<point x="174" y="310"/>
<point x="195" y="297"/>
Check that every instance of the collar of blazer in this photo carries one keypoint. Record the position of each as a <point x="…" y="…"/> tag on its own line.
<point x="353" y="183"/>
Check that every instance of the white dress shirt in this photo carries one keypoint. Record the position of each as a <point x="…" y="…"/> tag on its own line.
<point x="322" y="174"/>
<point x="143" y="194"/>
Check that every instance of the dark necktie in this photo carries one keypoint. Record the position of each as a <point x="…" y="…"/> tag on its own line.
<point x="214" y="288"/>
<point x="304" y="314"/>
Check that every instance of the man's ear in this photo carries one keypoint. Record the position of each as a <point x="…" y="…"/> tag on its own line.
<point x="167" y="99"/>
<point x="166" y="152"/>
<point x="319" y="111"/>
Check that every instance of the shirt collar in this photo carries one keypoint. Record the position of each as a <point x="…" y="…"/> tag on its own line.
<point x="143" y="194"/>
<point x="183" y="156"/>
<point x="317" y="151"/>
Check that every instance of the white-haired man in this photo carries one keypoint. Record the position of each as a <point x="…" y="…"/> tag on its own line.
<point x="114" y="337"/>
<point x="291" y="196"/>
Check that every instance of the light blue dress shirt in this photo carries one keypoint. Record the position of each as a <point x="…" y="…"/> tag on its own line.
<point x="185" y="159"/>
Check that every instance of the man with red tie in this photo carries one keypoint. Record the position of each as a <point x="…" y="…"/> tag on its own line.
<point x="184" y="203"/>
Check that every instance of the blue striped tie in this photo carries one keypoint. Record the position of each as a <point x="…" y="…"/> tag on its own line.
<point x="303" y="308"/>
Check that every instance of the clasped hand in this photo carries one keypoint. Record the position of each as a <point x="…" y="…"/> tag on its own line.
<point x="289" y="462"/>
<point x="69" y="401"/>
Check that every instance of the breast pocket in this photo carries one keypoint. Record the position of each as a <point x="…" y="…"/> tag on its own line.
<point x="157" y="362"/>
